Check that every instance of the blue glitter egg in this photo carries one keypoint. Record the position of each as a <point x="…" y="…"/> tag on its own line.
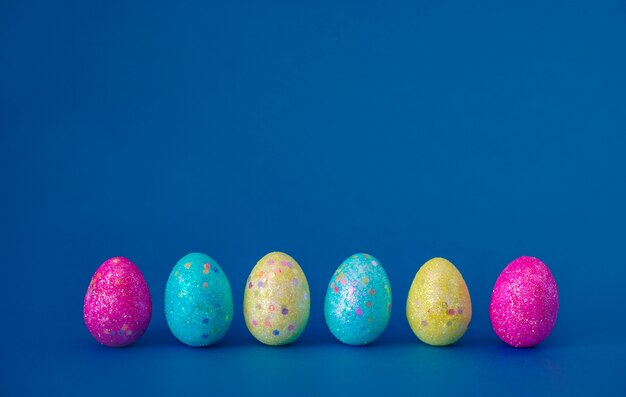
<point x="358" y="300"/>
<point x="198" y="301"/>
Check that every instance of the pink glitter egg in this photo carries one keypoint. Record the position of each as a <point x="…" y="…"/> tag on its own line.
<point x="524" y="302"/>
<point x="117" y="307"/>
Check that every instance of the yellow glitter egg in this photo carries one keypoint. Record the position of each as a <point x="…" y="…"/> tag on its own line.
<point x="276" y="300"/>
<point x="439" y="308"/>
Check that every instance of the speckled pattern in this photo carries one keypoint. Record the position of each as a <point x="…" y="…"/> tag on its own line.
<point x="439" y="308"/>
<point x="117" y="307"/>
<point x="276" y="300"/>
<point x="198" y="300"/>
<point x="524" y="302"/>
<point x="358" y="300"/>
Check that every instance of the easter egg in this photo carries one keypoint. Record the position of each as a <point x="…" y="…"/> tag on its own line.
<point x="117" y="307"/>
<point x="358" y="300"/>
<point x="276" y="300"/>
<point x="524" y="302"/>
<point x="198" y="300"/>
<point x="439" y="308"/>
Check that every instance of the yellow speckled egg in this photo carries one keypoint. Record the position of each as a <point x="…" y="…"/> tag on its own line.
<point x="439" y="308"/>
<point x="276" y="301"/>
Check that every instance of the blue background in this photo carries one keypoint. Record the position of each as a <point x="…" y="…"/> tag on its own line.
<point x="474" y="130"/>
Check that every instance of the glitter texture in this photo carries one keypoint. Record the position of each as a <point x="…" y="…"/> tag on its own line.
<point x="524" y="302"/>
<point x="198" y="300"/>
<point x="117" y="306"/>
<point x="276" y="300"/>
<point x="358" y="300"/>
<point x="439" y="308"/>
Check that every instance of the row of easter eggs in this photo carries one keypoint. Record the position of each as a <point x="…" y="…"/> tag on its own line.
<point x="357" y="308"/>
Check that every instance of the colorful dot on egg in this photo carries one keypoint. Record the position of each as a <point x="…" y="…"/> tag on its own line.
<point x="207" y="267"/>
<point x="255" y="323"/>
<point x="451" y="312"/>
<point x="249" y="285"/>
<point x="372" y="291"/>
<point x="285" y="311"/>
<point x="205" y="321"/>
<point x="290" y="327"/>
<point x="374" y="263"/>
<point x="359" y="311"/>
<point x="365" y="280"/>
<point x="272" y="308"/>
<point x="205" y="285"/>
<point x="368" y="304"/>
<point x="424" y="323"/>
<point x="276" y="332"/>
<point x="188" y="265"/>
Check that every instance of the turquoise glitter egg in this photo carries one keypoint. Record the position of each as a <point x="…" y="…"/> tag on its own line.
<point x="198" y="301"/>
<point x="358" y="300"/>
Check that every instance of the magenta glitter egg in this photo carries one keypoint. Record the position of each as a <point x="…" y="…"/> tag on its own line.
<point x="524" y="302"/>
<point x="117" y="307"/>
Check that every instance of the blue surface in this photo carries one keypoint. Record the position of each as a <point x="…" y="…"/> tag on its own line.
<point x="474" y="130"/>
